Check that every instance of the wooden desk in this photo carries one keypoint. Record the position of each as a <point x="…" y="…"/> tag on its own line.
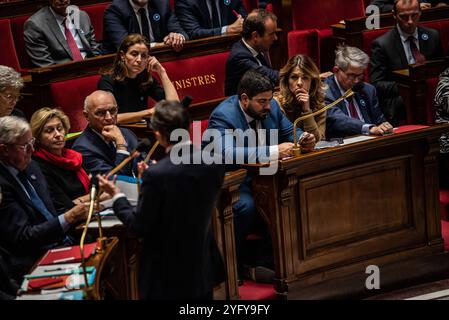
<point x="125" y="286"/>
<point x="331" y="213"/>
<point x="414" y="90"/>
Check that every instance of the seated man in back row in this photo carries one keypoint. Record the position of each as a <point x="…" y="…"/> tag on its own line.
<point x="252" y="110"/>
<point x="59" y="33"/>
<point x="103" y="144"/>
<point x="359" y="114"/>
<point x="405" y="44"/>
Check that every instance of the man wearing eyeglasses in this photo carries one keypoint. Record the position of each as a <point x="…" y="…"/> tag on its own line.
<point x="359" y="114"/>
<point x="103" y="144"/>
<point x="405" y="44"/>
<point x="29" y="223"/>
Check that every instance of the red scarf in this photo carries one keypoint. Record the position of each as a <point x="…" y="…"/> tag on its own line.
<point x="70" y="160"/>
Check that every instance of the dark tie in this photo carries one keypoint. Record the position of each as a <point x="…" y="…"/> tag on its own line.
<point x="76" y="54"/>
<point x="34" y="197"/>
<point x="262" y="59"/>
<point x="417" y="55"/>
<point x="145" y="24"/>
<point x="352" y="110"/>
<point x="253" y="125"/>
<point x="215" y="16"/>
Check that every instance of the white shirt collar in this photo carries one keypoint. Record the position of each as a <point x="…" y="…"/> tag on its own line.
<point x="251" y="49"/>
<point x="404" y="36"/>
<point x="247" y="117"/>
<point x="136" y="7"/>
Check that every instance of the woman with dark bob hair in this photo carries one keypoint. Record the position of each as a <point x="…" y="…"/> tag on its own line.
<point x="301" y="93"/>
<point x="131" y="82"/>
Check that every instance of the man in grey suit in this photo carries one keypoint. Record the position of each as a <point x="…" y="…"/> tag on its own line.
<point x="403" y="45"/>
<point x="59" y="33"/>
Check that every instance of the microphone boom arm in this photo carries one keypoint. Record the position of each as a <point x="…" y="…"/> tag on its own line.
<point x="296" y="149"/>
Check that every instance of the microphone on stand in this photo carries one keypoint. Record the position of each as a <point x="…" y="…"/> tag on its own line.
<point x="186" y="101"/>
<point x="358" y="87"/>
<point x="142" y="146"/>
<point x="93" y="194"/>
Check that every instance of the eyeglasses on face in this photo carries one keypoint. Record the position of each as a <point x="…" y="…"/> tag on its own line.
<point x="354" y="76"/>
<point x="11" y="97"/>
<point x="28" y="146"/>
<point x="102" y="112"/>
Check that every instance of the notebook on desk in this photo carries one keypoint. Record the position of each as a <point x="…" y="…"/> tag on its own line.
<point x="67" y="254"/>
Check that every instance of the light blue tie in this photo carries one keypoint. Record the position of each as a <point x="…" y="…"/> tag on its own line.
<point x="34" y="197"/>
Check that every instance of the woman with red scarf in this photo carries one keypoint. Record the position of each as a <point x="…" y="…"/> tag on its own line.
<point x="62" y="167"/>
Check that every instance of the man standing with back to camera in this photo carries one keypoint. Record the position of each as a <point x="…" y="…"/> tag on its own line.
<point x="180" y="259"/>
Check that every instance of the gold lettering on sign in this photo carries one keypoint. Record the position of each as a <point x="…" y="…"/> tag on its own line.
<point x="196" y="81"/>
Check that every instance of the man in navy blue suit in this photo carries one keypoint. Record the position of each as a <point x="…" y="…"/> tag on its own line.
<point x="29" y="223"/>
<point x="359" y="114"/>
<point x="253" y="108"/>
<point x="153" y="19"/>
<point x="207" y="18"/>
<point x="251" y="52"/>
<point x="103" y="144"/>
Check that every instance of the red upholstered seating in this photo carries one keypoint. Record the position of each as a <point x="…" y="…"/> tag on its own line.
<point x="269" y="7"/>
<point x="443" y="28"/>
<point x="8" y="54"/>
<point x="96" y="14"/>
<point x="17" y="31"/>
<point x="445" y="234"/>
<point x="304" y="42"/>
<point x="444" y="204"/>
<point x="69" y="96"/>
<point x="200" y="77"/>
<point x="320" y="15"/>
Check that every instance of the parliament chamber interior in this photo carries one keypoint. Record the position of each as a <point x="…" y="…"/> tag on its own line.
<point x="361" y="216"/>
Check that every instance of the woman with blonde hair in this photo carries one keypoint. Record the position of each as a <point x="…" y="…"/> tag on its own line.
<point x="131" y="82"/>
<point x="62" y="167"/>
<point x="302" y="93"/>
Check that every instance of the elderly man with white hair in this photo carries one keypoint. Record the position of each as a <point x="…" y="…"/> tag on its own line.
<point x="359" y="114"/>
<point x="10" y="85"/>
<point x="29" y="224"/>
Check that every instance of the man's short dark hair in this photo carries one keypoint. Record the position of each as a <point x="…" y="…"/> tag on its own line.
<point x="395" y="4"/>
<point x="253" y="83"/>
<point x="255" y="21"/>
<point x="168" y="116"/>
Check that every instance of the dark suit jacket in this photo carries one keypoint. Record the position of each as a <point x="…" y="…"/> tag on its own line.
<point x="195" y="18"/>
<point x="45" y="43"/>
<point x="98" y="157"/>
<point x="338" y="121"/>
<point x="8" y="287"/>
<point x="120" y="20"/>
<point x="241" y="60"/>
<point x="24" y="231"/>
<point x="180" y="259"/>
<point x="229" y="115"/>
<point x="388" y="55"/>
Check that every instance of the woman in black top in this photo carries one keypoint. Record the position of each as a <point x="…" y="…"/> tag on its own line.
<point x="131" y="82"/>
